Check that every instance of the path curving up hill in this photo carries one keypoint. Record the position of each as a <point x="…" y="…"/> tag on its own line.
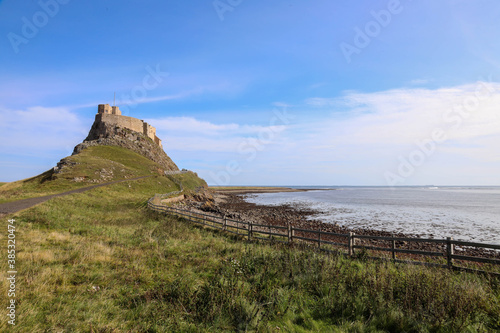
<point x="16" y="206"/>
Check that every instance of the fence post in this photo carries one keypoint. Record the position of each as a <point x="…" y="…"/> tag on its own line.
<point x="319" y="239"/>
<point x="250" y="230"/>
<point x="291" y="233"/>
<point x="393" y="246"/>
<point x="350" y="243"/>
<point x="224" y="225"/>
<point x="450" y="251"/>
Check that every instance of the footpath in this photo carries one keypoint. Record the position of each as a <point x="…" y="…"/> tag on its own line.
<point x="16" y="206"/>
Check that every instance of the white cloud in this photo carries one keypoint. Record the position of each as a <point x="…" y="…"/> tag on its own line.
<point x="370" y="131"/>
<point x="418" y="82"/>
<point x="34" y="139"/>
<point x="39" y="129"/>
<point x="321" y="102"/>
<point x="191" y="134"/>
<point x="191" y="125"/>
<point x="404" y="116"/>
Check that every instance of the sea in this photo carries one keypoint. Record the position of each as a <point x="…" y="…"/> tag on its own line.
<point x="464" y="213"/>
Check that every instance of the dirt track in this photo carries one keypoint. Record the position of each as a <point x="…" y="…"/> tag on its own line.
<point x="16" y="206"/>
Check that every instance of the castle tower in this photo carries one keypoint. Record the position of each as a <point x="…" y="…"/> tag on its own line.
<point x="107" y="109"/>
<point x="104" y="109"/>
<point x="116" y="110"/>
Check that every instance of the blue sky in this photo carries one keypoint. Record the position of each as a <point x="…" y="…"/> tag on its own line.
<point x="261" y="93"/>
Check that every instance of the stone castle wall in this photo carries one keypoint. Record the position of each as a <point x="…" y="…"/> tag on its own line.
<point x="131" y="123"/>
<point x="112" y="116"/>
<point x="149" y="131"/>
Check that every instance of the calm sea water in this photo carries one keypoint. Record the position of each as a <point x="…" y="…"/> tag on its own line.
<point x="465" y="213"/>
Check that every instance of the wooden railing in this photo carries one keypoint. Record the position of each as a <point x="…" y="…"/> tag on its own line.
<point x="348" y="243"/>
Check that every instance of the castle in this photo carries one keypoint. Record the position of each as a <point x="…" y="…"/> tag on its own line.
<point x="113" y="116"/>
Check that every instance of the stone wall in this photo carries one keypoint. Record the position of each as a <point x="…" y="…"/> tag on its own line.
<point x="158" y="141"/>
<point x="131" y="123"/>
<point x="106" y="114"/>
<point x="149" y="131"/>
<point x="173" y="200"/>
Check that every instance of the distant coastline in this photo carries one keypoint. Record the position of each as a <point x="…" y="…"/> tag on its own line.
<point x="254" y="189"/>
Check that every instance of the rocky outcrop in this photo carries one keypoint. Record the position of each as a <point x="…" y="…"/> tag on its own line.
<point x="105" y="134"/>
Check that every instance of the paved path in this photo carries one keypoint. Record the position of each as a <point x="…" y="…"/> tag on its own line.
<point x="15" y="206"/>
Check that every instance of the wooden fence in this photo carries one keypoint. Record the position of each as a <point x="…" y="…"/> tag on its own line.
<point x="348" y="244"/>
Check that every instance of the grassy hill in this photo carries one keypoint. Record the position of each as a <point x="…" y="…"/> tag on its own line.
<point x="100" y="261"/>
<point x="93" y="165"/>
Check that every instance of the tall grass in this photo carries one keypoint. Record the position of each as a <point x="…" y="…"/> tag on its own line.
<point x="101" y="262"/>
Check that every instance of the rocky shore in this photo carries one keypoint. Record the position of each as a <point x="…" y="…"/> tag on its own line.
<point x="233" y="206"/>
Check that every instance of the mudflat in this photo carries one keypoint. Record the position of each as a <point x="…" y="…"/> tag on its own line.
<point x="232" y="205"/>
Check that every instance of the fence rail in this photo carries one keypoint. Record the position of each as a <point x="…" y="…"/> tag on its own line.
<point x="329" y="241"/>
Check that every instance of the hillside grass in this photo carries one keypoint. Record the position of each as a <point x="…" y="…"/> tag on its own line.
<point x="100" y="261"/>
<point x="95" y="165"/>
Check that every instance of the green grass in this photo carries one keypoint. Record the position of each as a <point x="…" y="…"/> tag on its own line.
<point x="2" y="184"/>
<point x="100" y="261"/>
<point x="95" y="164"/>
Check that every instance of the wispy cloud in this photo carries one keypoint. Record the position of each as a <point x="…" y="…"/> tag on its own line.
<point x="189" y="133"/>
<point x="404" y="115"/>
<point x="39" y="129"/>
<point x="419" y="82"/>
<point x="145" y="100"/>
<point x="369" y="131"/>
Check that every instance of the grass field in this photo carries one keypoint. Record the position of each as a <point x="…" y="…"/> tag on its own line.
<point x="100" y="261"/>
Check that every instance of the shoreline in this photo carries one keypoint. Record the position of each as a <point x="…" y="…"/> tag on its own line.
<point x="232" y="204"/>
<point x="254" y="189"/>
